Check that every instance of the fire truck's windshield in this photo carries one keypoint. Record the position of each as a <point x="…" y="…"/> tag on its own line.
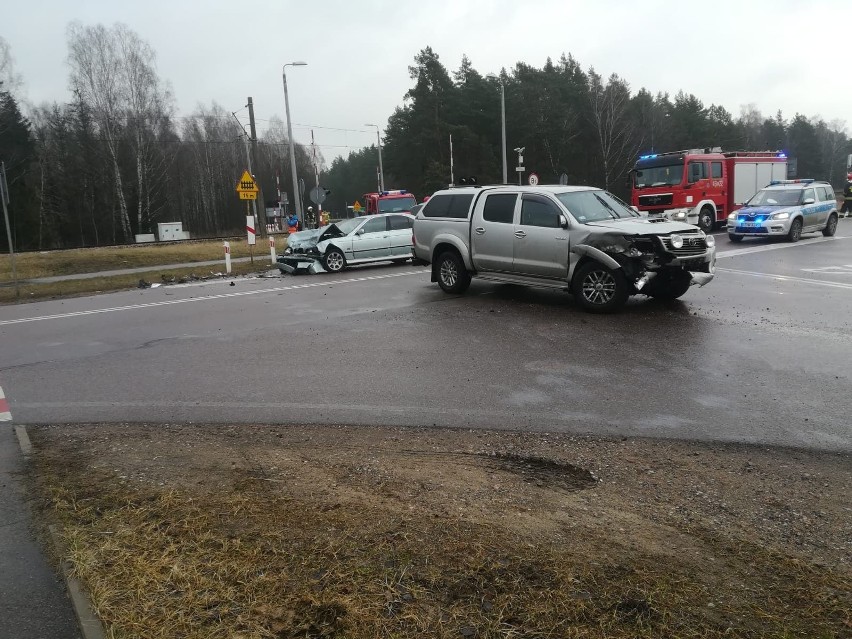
<point x="658" y="176"/>
<point x="396" y="205"/>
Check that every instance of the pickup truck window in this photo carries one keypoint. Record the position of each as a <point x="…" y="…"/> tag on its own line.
<point x="595" y="206"/>
<point x="539" y="211"/>
<point x="500" y="207"/>
<point x="448" y="205"/>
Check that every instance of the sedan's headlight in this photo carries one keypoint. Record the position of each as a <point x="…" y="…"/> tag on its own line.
<point x="781" y="216"/>
<point x="732" y="217"/>
<point x="677" y="241"/>
<point x="711" y="241"/>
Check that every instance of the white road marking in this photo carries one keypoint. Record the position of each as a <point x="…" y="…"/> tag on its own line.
<point x="845" y="269"/>
<point x="788" y="278"/>
<point x="777" y="247"/>
<point x="205" y="298"/>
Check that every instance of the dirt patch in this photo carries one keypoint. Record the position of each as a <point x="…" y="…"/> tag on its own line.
<point x="203" y="531"/>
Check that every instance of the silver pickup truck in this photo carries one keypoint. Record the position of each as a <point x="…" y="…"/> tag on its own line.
<point x="581" y="240"/>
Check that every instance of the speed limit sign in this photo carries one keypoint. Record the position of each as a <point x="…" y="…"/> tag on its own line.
<point x="533" y="179"/>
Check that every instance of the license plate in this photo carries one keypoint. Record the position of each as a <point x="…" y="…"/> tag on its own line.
<point x="748" y="224"/>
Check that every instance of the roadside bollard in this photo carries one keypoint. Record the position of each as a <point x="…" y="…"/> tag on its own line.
<point x="227" y="246"/>
<point x="272" y="250"/>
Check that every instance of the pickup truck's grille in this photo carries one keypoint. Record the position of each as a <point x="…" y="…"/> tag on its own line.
<point x="692" y="245"/>
<point x="659" y="199"/>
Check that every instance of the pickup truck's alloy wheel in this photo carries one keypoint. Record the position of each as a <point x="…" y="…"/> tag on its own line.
<point x="333" y="261"/>
<point x="600" y="289"/>
<point x="452" y="275"/>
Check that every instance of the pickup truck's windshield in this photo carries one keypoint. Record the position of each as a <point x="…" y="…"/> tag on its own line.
<point x="595" y="206"/>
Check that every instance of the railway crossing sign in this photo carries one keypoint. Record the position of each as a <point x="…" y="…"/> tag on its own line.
<point x="247" y="187"/>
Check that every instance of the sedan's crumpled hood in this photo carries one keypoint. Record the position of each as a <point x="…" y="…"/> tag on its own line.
<point x="644" y="226"/>
<point x="312" y="237"/>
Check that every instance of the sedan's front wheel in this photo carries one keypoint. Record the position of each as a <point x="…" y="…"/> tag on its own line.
<point x="600" y="289"/>
<point x="334" y="261"/>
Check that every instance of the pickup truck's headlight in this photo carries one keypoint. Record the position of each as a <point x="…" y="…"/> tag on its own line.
<point x="732" y="217"/>
<point x="677" y="241"/>
<point x="711" y="241"/>
<point x="781" y="216"/>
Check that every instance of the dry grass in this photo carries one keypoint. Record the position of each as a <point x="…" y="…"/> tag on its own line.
<point x="93" y="260"/>
<point x="72" y="288"/>
<point x="285" y="534"/>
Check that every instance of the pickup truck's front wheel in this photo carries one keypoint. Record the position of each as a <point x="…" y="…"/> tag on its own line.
<point x="600" y="289"/>
<point x="452" y="275"/>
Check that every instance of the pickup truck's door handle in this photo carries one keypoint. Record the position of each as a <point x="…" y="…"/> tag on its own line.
<point x="520" y="234"/>
<point x="479" y="230"/>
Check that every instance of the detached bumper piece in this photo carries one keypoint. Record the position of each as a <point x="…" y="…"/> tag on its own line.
<point x="299" y="264"/>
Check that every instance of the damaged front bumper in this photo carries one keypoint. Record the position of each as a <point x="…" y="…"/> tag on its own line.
<point x="299" y="264"/>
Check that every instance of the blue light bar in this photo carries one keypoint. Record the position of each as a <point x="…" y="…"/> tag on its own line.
<point x="782" y="155"/>
<point x="647" y="157"/>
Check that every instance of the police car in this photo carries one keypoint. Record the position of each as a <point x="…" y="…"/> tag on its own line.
<point x="786" y="208"/>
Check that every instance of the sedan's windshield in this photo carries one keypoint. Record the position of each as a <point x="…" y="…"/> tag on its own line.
<point x="595" y="206"/>
<point x="776" y="197"/>
<point x="347" y="226"/>
<point x="397" y="205"/>
<point x="658" y="176"/>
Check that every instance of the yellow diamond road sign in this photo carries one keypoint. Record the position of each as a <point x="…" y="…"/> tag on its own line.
<point x="357" y="206"/>
<point x="246" y="187"/>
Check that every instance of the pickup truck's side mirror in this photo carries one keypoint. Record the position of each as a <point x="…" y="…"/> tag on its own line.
<point x="563" y="221"/>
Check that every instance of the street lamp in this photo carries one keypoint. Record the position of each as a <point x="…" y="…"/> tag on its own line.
<point x="296" y="195"/>
<point x="503" y="121"/>
<point x="381" y="170"/>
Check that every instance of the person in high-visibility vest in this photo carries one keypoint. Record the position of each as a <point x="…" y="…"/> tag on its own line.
<point x="293" y="223"/>
<point x="324" y="218"/>
<point x="847" y="197"/>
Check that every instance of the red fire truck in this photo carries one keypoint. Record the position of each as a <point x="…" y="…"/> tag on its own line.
<point x="400" y="201"/>
<point x="702" y="186"/>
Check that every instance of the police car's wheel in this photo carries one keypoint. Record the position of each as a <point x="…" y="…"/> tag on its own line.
<point x="334" y="261"/>
<point x="735" y="238"/>
<point x="706" y="220"/>
<point x="795" y="233"/>
<point x="831" y="227"/>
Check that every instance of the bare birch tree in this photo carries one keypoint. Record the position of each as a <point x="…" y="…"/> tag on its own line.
<point x="610" y="114"/>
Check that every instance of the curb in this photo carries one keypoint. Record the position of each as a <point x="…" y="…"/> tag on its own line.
<point x="90" y="625"/>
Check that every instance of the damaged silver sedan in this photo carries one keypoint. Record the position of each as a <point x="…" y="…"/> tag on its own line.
<point x="360" y="240"/>
<point x="578" y="239"/>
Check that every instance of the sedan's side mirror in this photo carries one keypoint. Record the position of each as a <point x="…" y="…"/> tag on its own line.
<point x="563" y="221"/>
<point x="809" y="200"/>
<point x="360" y="231"/>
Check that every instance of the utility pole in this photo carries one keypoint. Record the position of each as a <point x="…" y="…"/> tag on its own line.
<point x="316" y="180"/>
<point x="381" y="169"/>
<point x="262" y="219"/>
<point x="452" y="179"/>
<point x="4" y="198"/>
<point x="296" y="193"/>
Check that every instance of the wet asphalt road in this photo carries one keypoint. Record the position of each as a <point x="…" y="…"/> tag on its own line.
<point x="762" y="354"/>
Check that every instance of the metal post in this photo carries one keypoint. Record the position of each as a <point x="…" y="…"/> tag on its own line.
<point x="381" y="168"/>
<point x="503" y="122"/>
<point x="4" y="198"/>
<point x="316" y="180"/>
<point x="296" y="194"/>
<point x="262" y="218"/>
<point x="452" y="178"/>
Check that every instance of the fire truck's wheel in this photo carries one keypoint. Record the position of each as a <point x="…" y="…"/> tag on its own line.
<point x="830" y="228"/>
<point x="706" y="221"/>
<point x="334" y="261"/>
<point x="735" y="238"/>
<point x="795" y="233"/>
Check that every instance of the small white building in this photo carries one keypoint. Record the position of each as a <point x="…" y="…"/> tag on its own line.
<point x="170" y="231"/>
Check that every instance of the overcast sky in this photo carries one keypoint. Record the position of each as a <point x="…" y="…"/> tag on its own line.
<point x="792" y="55"/>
